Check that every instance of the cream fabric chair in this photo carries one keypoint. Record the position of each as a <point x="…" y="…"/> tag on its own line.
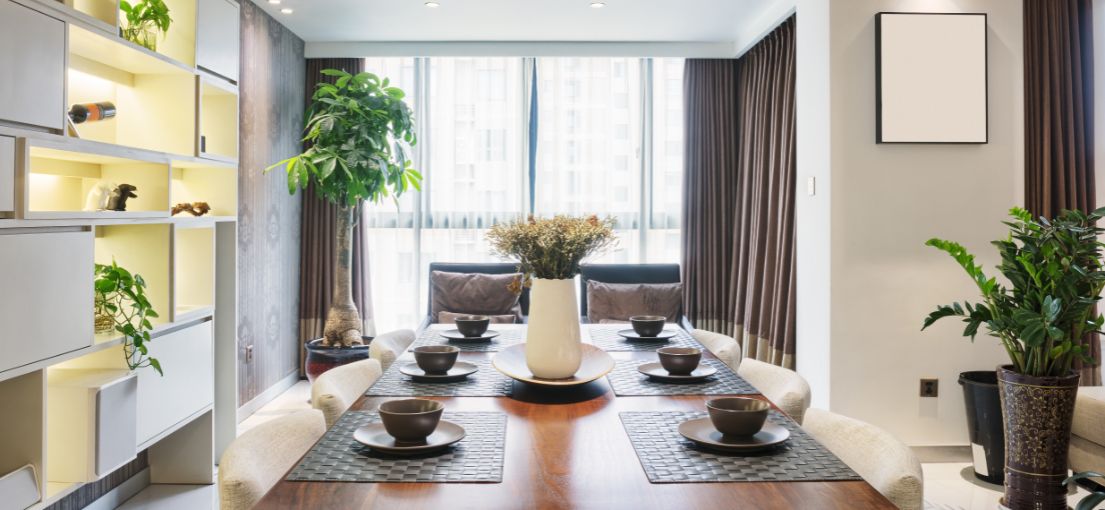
<point x="785" y="388"/>
<point x="389" y="346"/>
<point x="1087" y="440"/>
<point x="886" y="463"/>
<point x="257" y="459"/>
<point x="336" y="389"/>
<point x="723" y="346"/>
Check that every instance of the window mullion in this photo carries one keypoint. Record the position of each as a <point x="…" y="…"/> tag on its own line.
<point x="645" y="209"/>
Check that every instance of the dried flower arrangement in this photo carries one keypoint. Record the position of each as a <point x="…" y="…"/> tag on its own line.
<point x="551" y="248"/>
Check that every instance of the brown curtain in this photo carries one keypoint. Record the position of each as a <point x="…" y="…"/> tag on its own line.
<point x="738" y="212"/>
<point x="319" y="219"/>
<point x="1058" y="100"/>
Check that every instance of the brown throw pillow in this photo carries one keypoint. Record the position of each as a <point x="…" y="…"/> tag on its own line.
<point x="620" y="301"/>
<point x="451" y="318"/>
<point x="474" y="293"/>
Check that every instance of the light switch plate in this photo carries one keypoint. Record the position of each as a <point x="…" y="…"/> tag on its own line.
<point x="811" y="186"/>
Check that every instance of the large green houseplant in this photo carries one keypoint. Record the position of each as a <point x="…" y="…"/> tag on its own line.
<point x="1042" y="312"/>
<point x="358" y="131"/>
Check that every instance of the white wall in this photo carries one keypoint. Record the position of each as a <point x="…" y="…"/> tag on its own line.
<point x="863" y="267"/>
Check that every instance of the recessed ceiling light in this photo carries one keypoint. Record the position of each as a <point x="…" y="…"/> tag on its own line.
<point x="274" y="2"/>
<point x="598" y="5"/>
<point x="432" y="4"/>
<point x="286" y="10"/>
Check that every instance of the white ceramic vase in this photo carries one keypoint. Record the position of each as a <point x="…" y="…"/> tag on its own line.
<point x="553" y="349"/>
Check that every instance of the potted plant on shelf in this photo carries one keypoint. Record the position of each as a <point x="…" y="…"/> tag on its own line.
<point x="358" y="133"/>
<point x="1055" y="278"/>
<point x="122" y="306"/>
<point x="549" y="252"/>
<point x="145" y="19"/>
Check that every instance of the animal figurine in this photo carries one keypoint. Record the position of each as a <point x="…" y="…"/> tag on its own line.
<point x="118" y="200"/>
<point x="179" y="208"/>
<point x="97" y="197"/>
<point x="195" y="209"/>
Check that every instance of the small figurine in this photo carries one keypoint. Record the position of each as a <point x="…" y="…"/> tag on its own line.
<point x="195" y="208"/>
<point x="179" y="208"/>
<point x="98" y="196"/>
<point x="118" y="200"/>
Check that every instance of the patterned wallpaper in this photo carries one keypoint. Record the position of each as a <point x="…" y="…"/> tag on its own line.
<point x="272" y="97"/>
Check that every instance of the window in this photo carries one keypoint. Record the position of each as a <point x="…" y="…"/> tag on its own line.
<point x="474" y="126"/>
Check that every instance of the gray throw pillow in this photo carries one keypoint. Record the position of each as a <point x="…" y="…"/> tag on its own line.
<point x="474" y="293"/>
<point x="620" y="301"/>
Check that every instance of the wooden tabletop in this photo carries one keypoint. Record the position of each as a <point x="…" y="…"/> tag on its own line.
<point x="570" y="453"/>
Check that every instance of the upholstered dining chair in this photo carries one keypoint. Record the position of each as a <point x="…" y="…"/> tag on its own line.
<point x="336" y="389"/>
<point x="629" y="273"/>
<point x="387" y="347"/>
<point x="785" y="388"/>
<point x="724" y="347"/>
<point x="257" y="459"/>
<point x="492" y="268"/>
<point x="880" y="458"/>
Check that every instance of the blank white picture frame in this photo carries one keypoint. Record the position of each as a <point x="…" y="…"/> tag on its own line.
<point x="930" y="74"/>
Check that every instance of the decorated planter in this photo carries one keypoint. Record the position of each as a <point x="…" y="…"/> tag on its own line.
<point x="321" y="358"/>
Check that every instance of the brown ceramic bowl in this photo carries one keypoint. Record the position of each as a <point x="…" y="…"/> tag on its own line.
<point x="679" y="360"/>
<point x="473" y="325"/>
<point x="737" y="416"/>
<point x="436" y="359"/>
<point x="648" y="325"/>
<point x="411" y="420"/>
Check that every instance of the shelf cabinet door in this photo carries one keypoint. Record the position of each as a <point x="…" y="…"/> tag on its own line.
<point x="187" y="386"/>
<point x="47" y="309"/>
<point x="7" y="174"/>
<point x="217" y="37"/>
<point x="32" y="67"/>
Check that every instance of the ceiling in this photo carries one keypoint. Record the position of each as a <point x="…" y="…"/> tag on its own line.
<point x="517" y="20"/>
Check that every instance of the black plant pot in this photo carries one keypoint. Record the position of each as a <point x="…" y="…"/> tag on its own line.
<point x="321" y="358"/>
<point x="984" y="426"/>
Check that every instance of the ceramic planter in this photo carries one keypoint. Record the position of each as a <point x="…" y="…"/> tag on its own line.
<point x="321" y="358"/>
<point x="1037" y="413"/>
<point x="553" y="348"/>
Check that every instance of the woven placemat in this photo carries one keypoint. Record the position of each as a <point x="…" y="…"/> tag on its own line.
<point x="476" y="458"/>
<point x="487" y="382"/>
<point x="628" y="382"/>
<point x="608" y="339"/>
<point x="506" y="338"/>
<point x="667" y="457"/>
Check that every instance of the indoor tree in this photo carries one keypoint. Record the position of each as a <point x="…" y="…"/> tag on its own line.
<point x="358" y="130"/>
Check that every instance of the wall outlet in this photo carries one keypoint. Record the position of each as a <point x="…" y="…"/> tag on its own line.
<point x="930" y="387"/>
<point x="249" y="353"/>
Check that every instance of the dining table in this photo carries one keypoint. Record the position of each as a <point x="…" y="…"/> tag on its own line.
<point x="568" y="448"/>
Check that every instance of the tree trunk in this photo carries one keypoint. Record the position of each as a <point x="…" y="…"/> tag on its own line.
<point x="343" y="321"/>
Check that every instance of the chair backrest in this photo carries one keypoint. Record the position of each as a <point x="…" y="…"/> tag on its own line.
<point x="788" y="390"/>
<point x="474" y="267"/>
<point x="624" y="273"/>
<point x="724" y="347"/>
<point x="387" y="347"/>
<point x="336" y="389"/>
<point x="880" y="458"/>
<point x="257" y="459"/>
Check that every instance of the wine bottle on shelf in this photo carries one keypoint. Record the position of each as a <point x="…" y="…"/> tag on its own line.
<point x="91" y="112"/>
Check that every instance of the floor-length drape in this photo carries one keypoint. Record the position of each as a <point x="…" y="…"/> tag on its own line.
<point x="738" y="207"/>
<point x="1058" y="98"/>
<point x="319" y="220"/>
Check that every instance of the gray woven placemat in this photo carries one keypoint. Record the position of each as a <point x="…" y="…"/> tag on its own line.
<point x="667" y="457"/>
<point x="506" y="338"/>
<point x="628" y="382"/>
<point x="487" y="382"/>
<point x="609" y="340"/>
<point x="476" y="458"/>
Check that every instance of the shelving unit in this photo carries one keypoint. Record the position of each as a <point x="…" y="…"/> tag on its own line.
<point x="209" y="182"/>
<point x="143" y="250"/>
<point x="218" y="114"/>
<point x="193" y="270"/>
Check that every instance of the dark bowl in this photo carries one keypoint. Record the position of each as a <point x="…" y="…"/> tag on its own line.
<point x="473" y="325"/>
<point x="679" y="360"/>
<point x="411" y="420"/>
<point x="436" y="359"/>
<point x="737" y="416"/>
<point x="648" y="325"/>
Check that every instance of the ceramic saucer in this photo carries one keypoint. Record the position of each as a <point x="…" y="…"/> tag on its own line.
<point x="455" y="336"/>
<point x="655" y="371"/>
<point x="701" y="431"/>
<point x="460" y="370"/>
<point x="375" y="437"/>
<point x="512" y="362"/>
<point x="632" y="336"/>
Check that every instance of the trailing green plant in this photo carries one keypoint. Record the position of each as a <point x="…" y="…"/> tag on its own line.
<point x="358" y="131"/>
<point x="1055" y="276"/>
<point x="145" y="18"/>
<point x="1092" y="500"/>
<point x="122" y="296"/>
<point x="551" y="248"/>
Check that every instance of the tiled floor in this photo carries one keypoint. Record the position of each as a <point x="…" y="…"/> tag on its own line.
<point x="948" y="485"/>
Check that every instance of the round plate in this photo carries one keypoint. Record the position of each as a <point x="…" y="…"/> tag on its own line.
<point x="460" y="370"/>
<point x="703" y="433"/>
<point x="656" y="371"/>
<point x="664" y="335"/>
<point x="511" y="361"/>
<point x="455" y="336"/>
<point x="374" y="436"/>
